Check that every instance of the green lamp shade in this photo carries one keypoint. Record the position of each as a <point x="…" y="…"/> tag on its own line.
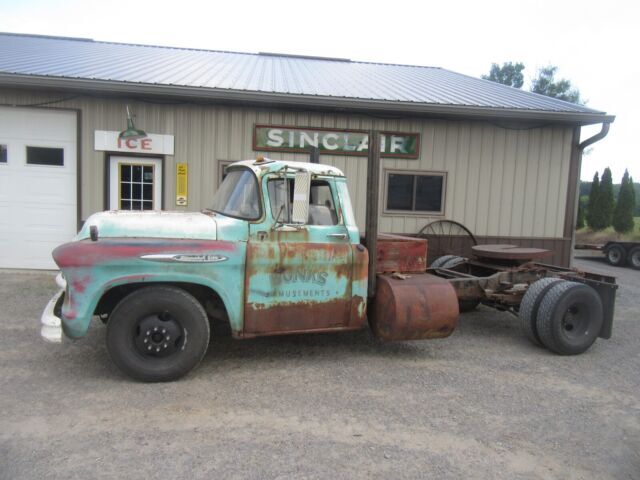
<point x="132" y="132"/>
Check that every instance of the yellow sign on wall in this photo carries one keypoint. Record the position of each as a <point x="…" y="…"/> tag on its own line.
<point x="182" y="181"/>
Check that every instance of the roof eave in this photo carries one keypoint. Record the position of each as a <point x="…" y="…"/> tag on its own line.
<point x="270" y="98"/>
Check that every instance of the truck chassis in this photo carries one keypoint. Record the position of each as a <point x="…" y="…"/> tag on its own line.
<point x="502" y="283"/>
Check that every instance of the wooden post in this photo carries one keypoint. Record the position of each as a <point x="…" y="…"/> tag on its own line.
<point x="373" y="184"/>
<point x="314" y="155"/>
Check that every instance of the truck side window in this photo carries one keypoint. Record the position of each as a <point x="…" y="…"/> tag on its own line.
<point x="322" y="210"/>
<point x="278" y="198"/>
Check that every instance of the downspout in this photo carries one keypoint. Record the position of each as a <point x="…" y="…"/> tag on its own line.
<point x="596" y="138"/>
<point x="581" y="147"/>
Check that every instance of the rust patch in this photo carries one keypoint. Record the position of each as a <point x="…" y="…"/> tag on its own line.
<point x="300" y="317"/>
<point x="396" y="253"/>
<point x="358" y="312"/>
<point x="88" y="253"/>
<point x="419" y="307"/>
<point x="360" y="263"/>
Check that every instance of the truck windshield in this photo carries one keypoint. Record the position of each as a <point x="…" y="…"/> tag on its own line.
<point x="238" y="196"/>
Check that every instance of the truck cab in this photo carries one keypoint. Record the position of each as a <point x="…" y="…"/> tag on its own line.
<point x="278" y="252"/>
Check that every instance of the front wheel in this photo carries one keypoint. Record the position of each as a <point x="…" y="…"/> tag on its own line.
<point x="158" y="334"/>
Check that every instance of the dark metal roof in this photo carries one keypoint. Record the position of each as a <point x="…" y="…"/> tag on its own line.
<point x="83" y="63"/>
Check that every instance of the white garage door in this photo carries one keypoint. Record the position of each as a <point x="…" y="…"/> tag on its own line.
<point x="37" y="185"/>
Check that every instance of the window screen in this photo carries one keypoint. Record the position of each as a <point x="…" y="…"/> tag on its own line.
<point x="45" y="156"/>
<point x="415" y="192"/>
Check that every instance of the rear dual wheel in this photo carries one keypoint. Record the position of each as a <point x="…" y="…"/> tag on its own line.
<point x="566" y="317"/>
<point x="634" y="258"/>
<point x="530" y="305"/>
<point x="158" y="334"/>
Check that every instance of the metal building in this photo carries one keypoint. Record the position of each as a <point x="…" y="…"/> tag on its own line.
<point x="502" y="161"/>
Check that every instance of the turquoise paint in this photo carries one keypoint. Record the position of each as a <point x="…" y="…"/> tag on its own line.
<point x="312" y="262"/>
<point x="226" y="278"/>
<point x="300" y="265"/>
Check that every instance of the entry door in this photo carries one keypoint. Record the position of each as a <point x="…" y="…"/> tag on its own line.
<point x="135" y="183"/>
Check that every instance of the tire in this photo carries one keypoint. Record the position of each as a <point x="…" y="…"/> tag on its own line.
<point x="569" y="318"/>
<point x="453" y="262"/>
<point x="463" y="305"/>
<point x="616" y="255"/>
<point x="440" y="261"/>
<point x="530" y="304"/>
<point x="634" y="258"/>
<point x="467" y="305"/>
<point x="158" y="334"/>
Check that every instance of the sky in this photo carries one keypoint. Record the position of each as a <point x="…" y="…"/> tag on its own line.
<point x="593" y="43"/>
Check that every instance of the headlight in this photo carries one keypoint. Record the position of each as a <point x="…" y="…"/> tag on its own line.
<point x="60" y="281"/>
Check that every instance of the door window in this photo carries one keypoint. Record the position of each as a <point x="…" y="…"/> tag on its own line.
<point x="136" y="187"/>
<point x="322" y="210"/>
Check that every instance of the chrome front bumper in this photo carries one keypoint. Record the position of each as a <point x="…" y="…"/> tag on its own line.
<point x="51" y="329"/>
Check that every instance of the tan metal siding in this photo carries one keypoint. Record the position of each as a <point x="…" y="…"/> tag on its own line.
<point x="501" y="182"/>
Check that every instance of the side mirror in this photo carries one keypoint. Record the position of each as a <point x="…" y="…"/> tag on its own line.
<point x="301" y="189"/>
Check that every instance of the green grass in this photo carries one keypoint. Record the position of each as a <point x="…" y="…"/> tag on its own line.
<point x="586" y="235"/>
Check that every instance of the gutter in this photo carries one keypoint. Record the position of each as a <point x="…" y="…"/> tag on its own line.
<point x="307" y="101"/>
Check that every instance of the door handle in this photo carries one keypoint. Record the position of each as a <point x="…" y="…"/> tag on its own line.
<point x="337" y="235"/>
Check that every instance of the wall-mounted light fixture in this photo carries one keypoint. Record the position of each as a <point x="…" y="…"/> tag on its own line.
<point x="131" y="132"/>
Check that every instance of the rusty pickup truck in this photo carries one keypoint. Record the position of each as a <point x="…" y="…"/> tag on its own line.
<point x="279" y="252"/>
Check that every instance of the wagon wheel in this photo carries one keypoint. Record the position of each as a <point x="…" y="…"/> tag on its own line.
<point x="447" y="237"/>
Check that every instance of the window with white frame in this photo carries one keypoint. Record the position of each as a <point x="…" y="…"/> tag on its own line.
<point x="414" y="192"/>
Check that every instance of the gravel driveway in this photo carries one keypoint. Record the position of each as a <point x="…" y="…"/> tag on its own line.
<point x="484" y="403"/>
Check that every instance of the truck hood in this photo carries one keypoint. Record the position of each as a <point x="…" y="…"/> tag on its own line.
<point x="153" y="224"/>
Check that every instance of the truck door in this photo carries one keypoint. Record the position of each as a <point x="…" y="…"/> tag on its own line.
<point x="298" y="277"/>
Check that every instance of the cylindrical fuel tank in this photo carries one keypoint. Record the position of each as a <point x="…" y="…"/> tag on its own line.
<point x="413" y="307"/>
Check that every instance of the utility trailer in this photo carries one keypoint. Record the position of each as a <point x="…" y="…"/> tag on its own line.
<point x="617" y="253"/>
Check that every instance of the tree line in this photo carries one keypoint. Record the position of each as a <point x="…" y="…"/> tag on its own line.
<point x="598" y="207"/>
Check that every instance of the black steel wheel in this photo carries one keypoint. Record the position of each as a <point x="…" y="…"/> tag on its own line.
<point x="634" y="258"/>
<point x="158" y="334"/>
<point x="530" y="305"/>
<point x="616" y="255"/>
<point x="569" y="318"/>
<point x="447" y="237"/>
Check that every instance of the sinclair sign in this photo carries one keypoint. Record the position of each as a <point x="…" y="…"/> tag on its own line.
<point x="333" y="142"/>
